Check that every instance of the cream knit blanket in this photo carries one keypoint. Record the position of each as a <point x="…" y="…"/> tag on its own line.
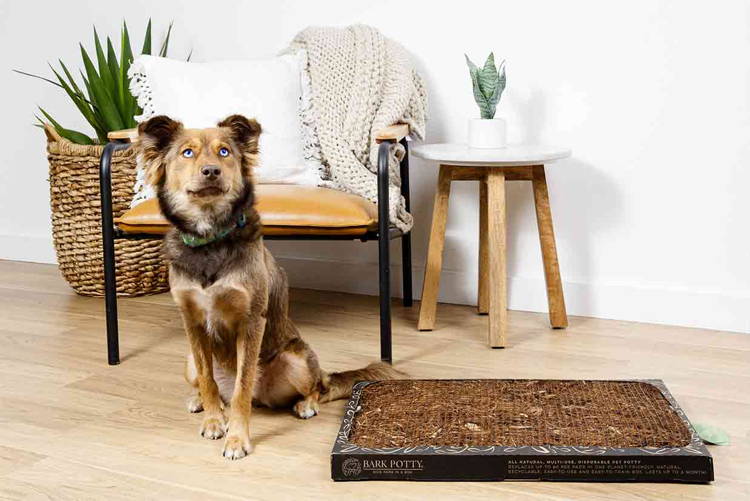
<point x="360" y="83"/>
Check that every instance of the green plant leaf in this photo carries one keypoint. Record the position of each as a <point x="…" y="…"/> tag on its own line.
<point x="147" y="40"/>
<point x="114" y="70"/>
<point x="69" y="134"/>
<point x="489" y="64"/>
<point x="101" y="60"/>
<point x="73" y="92"/>
<point x="37" y="76"/>
<point x="79" y="100"/>
<point x="72" y="81"/>
<point x="102" y="129"/>
<point x="501" y="82"/>
<point x="481" y="100"/>
<point x="499" y="88"/>
<point x="478" y="96"/>
<point x="488" y="77"/>
<point x="711" y="434"/>
<point x="102" y="99"/>
<point x="128" y="104"/>
<point x="88" y="87"/>
<point x="74" y="136"/>
<point x="165" y="44"/>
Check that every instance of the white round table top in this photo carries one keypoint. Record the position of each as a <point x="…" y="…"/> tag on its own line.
<point x="513" y="154"/>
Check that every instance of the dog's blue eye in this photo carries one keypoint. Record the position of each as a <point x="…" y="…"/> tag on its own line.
<point x="188" y="153"/>
<point x="224" y="152"/>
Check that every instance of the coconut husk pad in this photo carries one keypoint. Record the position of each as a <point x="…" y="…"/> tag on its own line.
<point x="506" y="429"/>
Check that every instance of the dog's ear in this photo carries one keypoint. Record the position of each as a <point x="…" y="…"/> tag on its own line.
<point x="154" y="137"/>
<point x="245" y="133"/>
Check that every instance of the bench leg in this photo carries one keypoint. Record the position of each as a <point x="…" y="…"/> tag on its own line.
<point x="108" y="247"/>
<point x="406" y="269"/>
<point x="110" y="299"/>
<point x="385" y="300"/>
<point x="408" y="299"/>
<point x="384" y="254"/>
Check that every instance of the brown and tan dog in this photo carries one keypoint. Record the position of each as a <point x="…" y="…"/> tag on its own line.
<point x="232" y="295"/>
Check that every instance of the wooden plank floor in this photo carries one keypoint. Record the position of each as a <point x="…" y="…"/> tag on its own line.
<point x="72" y="427"/>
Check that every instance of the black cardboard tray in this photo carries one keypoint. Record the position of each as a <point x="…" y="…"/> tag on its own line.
<point x="692" y="463"/>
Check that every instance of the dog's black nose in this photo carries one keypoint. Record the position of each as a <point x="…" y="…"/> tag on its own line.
<point x="211" y="171"/>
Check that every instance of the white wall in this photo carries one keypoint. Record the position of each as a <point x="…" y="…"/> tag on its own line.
<point x="652" y="96"/>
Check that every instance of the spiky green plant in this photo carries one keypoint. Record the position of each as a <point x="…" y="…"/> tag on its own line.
<point x="488" y="83"/>
<point x="106" y="104"/>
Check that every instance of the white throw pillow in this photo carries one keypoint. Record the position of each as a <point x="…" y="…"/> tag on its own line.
<point x="201" y="94"/>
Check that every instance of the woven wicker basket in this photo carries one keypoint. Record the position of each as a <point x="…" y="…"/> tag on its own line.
<point x="76" y="222"/>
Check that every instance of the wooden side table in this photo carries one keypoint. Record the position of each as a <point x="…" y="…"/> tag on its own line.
<point x="492" y="168"/>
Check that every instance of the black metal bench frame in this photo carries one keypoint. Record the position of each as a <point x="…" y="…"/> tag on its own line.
<point x="110" y="232"/>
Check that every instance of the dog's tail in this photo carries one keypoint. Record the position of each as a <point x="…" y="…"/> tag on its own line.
<point x="338" y="385"/>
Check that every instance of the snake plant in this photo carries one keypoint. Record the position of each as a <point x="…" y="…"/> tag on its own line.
<point x="488" y="83"/>
<point x="104" y="99"/>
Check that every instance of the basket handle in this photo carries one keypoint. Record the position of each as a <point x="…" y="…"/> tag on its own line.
<point x="51" y="133"/>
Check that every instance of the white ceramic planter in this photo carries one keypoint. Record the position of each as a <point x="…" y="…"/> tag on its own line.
<point x="487" y="133"/>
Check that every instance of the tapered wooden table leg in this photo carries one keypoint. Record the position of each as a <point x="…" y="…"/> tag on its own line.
<point x="496" y="258"/>
<point x="483" y="299"/>
<point x="557" y="314"/>
<point x="431" y="285"/>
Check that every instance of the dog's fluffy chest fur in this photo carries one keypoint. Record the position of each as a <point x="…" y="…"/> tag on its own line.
<point x="213" y="284"/>
<point x="212" y="305"/>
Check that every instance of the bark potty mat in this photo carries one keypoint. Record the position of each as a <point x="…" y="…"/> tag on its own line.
<point x="511" y="429"/>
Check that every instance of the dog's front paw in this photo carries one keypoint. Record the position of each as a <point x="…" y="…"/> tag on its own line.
<point x="194" y="404"/>
<point x="213" y="427"/>
<point x="237" y="447"/>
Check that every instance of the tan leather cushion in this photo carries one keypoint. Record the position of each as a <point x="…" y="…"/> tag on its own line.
<point x="284" y="210"/>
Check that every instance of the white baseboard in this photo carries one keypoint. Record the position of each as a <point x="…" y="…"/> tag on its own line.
<point x="619" y="301"/>
<point x="30" y="248"/>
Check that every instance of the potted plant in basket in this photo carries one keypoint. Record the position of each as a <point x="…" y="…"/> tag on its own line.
<point x="107" y="104"/>
<point x="488" y="83"/>
<point x="103" y="98"/>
